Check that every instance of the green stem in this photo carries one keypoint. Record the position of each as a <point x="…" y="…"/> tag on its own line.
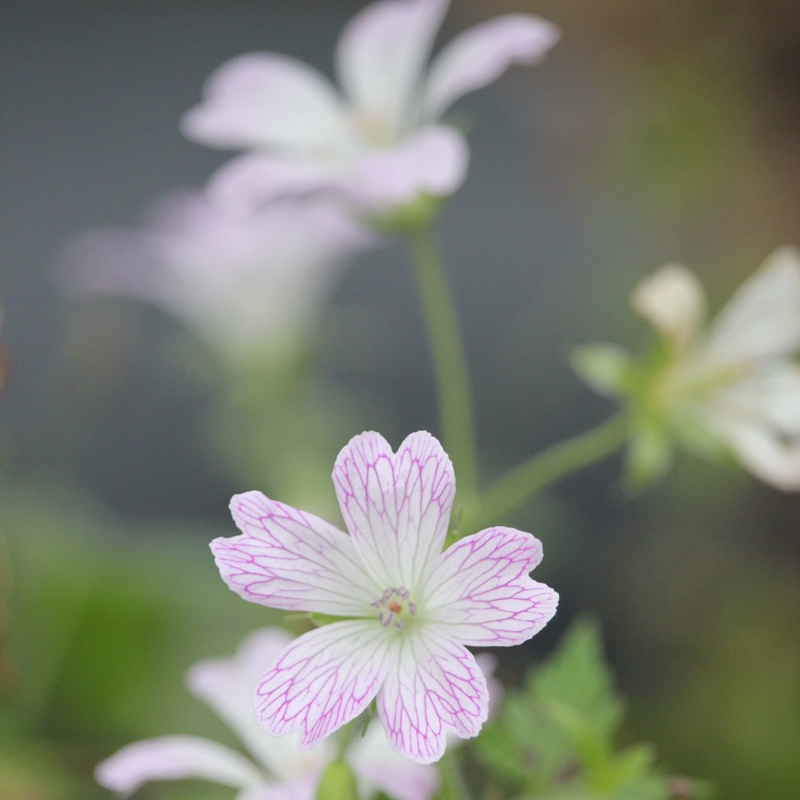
<point x="454" y="787"/>
<point x="450" y="366"/>
<point x="543" y="469"/>
<point x="350" y="732"/>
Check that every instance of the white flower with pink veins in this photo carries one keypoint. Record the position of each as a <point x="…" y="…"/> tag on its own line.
<point x="409" y="609"/>
<point x="278" y="770"/>
<point x="378" y="143"/>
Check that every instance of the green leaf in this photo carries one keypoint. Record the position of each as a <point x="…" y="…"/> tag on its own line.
<point x="534" y="744"/>
<point x="604" y="367"/>
<point x="576" y="678"/>
<point x="555" y="739"/>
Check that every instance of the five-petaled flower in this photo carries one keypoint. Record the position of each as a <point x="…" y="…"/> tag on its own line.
<point x="379" y="144"/>
<point x="734" y="386"/>
<point x="278" y="770"/>
<point x="409" y="608"/>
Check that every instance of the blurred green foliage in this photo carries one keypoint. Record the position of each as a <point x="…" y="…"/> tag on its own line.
<point x="556" y="738"/>
<point x="103" y="621"/>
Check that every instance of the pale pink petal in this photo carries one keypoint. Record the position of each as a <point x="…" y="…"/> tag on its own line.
<point x="174" y="758"/>
<point x="288" y="559"/>
<point x="396" y="506"/>
<point x="227" y="686"/>
<point x="243" y="283"/>
<point x="480" y="591"/>
<point x="381" y="54"/>
<point x="433" y="688"/>
<point x="249" y="182"/>
<point x="431" y="162"/>
<point x="482" y="54"/>
<point x="254" y="282"/>
<point x="324" y="679"/>
<point x="267" y="100"/>
<point x="488" y="663"/>
<point x="763" y="318"/>
<point x="378" y="767"/>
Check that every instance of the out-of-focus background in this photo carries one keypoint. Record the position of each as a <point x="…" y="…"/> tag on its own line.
<point x="664" y="130"/>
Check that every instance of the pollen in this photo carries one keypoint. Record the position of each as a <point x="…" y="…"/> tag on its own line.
<point x="395" y="606"/>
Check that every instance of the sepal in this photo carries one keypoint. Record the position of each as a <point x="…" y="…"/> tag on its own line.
<point x="604" y="367"/>
<point x="649" y="455"/>
<point x="338" y="782"/>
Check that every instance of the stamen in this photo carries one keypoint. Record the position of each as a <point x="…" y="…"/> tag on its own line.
<point x="394" y="607"/>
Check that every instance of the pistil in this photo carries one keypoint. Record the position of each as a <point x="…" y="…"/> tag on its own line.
<point x="395" y="607"/>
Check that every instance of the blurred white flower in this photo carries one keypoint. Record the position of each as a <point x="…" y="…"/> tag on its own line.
<point x="378" y="144"/>
<point x="245" y="285"/>
<point x="278" y="769"/>
<point x="735" y="385"/>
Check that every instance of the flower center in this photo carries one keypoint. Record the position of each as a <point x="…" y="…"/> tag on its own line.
<point x="395" y="607"/>
<point x="372" y="127"/>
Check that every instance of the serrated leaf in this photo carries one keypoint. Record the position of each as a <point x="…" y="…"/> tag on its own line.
<point x="577" y="678"/>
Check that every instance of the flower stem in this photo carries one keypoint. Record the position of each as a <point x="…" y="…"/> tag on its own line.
<point x="454" y="786"/>
<point x="350" y="732"/>
<point x="449" y="362"/>
<point x="543" y="469"/>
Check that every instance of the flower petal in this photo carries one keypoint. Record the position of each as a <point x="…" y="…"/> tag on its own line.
<point x="381" y="54"/>
<point x="379" y="768"/>
<point x="396" y="506"/>
<point x="268" y="100"/>
<point x="291" y="560"/>
<point x="431" y="162"/>
<point x="434" y="687"/>
<point x="173" y="758"/>
<point x="763" y="318"/>
<point x="672" y="300"/>
<point x="227" y="685"/>
<point x="482" y="54"/>
<point x="483" y="594"/>
<point x="768" y="456"/>
<point x="488" y="665"/>
<point x="323" y="680"/>
<point x="241" y="282"/>
<point x="251" y="181"/>
<point x="770" y="395"/>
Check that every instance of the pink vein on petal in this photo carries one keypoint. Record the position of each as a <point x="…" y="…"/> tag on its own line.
<point x="323" y="680"/>
<point x="396" y="506"/>
<point x="291" y="560"/>
<point x="483" y="594"/>
<point x="435" y="687"/>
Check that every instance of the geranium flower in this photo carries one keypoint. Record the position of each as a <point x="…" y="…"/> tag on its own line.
<point x="409" y="608"/>
<point x="734" y="386"/>
<point x="279" y="770"/>
<point x="241" y="284"/>
<point x="378" y="144"/>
